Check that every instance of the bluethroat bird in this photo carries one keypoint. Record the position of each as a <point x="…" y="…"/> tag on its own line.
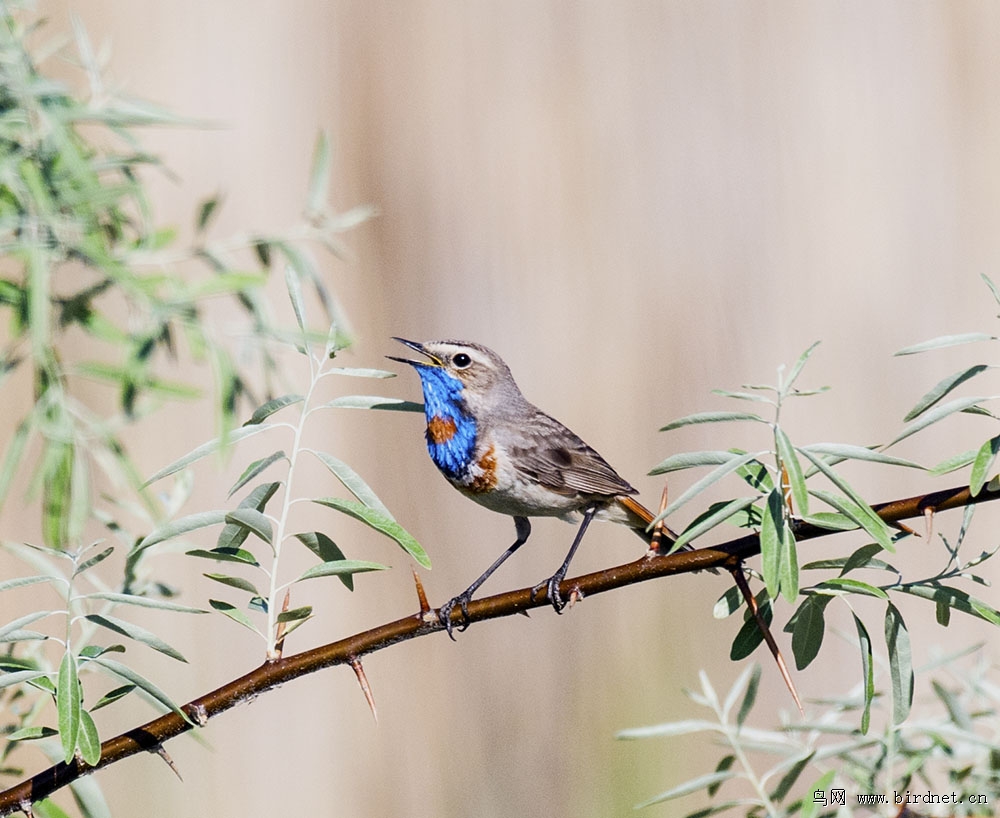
<point x="503" y="452"/>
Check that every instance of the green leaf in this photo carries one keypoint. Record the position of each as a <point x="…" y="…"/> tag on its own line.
<point x="797" y="369"/>
<point x="789" y="566"/>
<point x="846" y="451"/>
<point x="30" y="733"/>
<point x="954" y="598"/>
<point x="982" y="464"/>
<point x="135" y="632"/>
<point x="379" y="522"/>
<point x="359" y="372"/>
<point x="756" y="475"/>
<point x="953" y="463"/>
<point x="206" y="210"/>
<point x="18" y="582"/>
<point x="20" y="676"/>
<point x="234" y="534"/>
<point x="942" y="388"/>
<point x="867" y="671"/>
<point x="326" y="549"/>
<point x="689" y="460"/>
<point x="862" y="515"/>
<point x="695" y="784"/>
<point x="750" y="697"/>
<point x="263" y="412"/>
<point x="90" y="741"/>
<point x="788" y="779"/>
<point x="772" y="532"/>
<point x="897" y="640"/>
<point x="717" y="515"/>
<point x="142" y="602"/>
<point x="234" y="582"/>
<point x="92" y="561"/>
<point x="253" y="520"/>
<point x="206" y="449"/>
<point x="831" y="521"/>
<point x="255" y="469"/>
<point x="340" y="568"/>
<point x="711" y="417"/>
<point x="374" y="402"/>
<point x="840" y="586"/>
<point x="709" y="479"/>
<point x="150" y="689"/>
<point x="21" y="621"/>
<point x="749" y="637"/>
<point x="294" y="286"/>
<point x="725" y="393"/>
<point x="234" y="613"/>
<point x="295" y="614"/>
<point x="992" y="286"/>
<point x="183" y="525"/>
<point x="796" y="479"/>
<point x="728" y="604"/>
<point x="12" y="457"/>
<point x="352" y="482"/>
<point x="945" y="341"/>
<point x="807" y="626"/>
<point x="239" y="555"/>
<point x="68" y="705"/>
<point x="319" y="175"/>
<point x="113" y="696"/>
<point x="934" y="415"/>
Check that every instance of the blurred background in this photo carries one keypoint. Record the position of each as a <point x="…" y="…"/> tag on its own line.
<point x="633" y="203"/>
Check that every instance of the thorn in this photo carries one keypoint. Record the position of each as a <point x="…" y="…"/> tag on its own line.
<point x="359" y="671"/>
<point x="25" y="807"/>
<point x="906" y="529"/>
<point x="162" y="753"/>
<point x="654" y="544"/>
<point x="929" y="520"/>
<point x="574" y="596"/>
<point x="425" y="607"/>
<point x="279" y="640"/>
<point x="744" y="586"/>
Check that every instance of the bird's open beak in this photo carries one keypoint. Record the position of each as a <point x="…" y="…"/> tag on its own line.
<point x="414" y="345"/>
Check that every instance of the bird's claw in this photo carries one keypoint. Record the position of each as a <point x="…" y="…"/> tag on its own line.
<point x="444" y="614"/>
<point x="551" y="586"/>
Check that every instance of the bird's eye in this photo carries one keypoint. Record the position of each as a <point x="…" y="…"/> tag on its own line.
<point x="461" y="361"/>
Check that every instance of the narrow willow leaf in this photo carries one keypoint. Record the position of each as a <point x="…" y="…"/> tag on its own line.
<point x="142" y="602"/>
<point x="90" y="741"/>
<point x="255" y="469"/>
<point x="183" y="525"/>
<point x="841" y="585"/>
<point x="751" y="696"/>
<point x="379" y="522"/>
<point x="20" y="676"/>
<point x="942" y="613"/>
<point x="772" y="532"/>
<point x="864" y="557"/>
<point x="12" y="458"/>
<point x="352" y="481"/>
<point x="756" y="475"/>
<point x="945" y="341"/>
<point x="954" y="598"/>
<point x="935" y="414"/>
<point x="263" y="412"/>
<point x="728" y="604"/>
<point x="735" y="691"/>
<point x="867" y="672"/>
<point x="234" y="534"/>
<point x="240" y="555"/>
<point x="18" y="582"/>
<point x="295" y="614"/>
<point x="725" y="393"/>
<point x="319" y="176"/>
<point x="206" y="449"/>
<point x="808" y="627"/>
<point x="30" y="733"/>
<point x="789" y="565"/>
<point x="141" y="682"/>
<point x="374" y="402"/>
<point x="992" y="286"/>
<point x="234" y="582"/>
<point x="92" y="561"/>
<point x="294" y="285"/>
<point x="709" y="479"/>
<point x="982" y="464"/>
<point x="831" y="521"/>
<point x="253" y="520"/>
<point x="797" y="368"/>
<point x="897" y="640"/>
<point x="341" y="567"/>
<point x="359" y="372"/>
<point x="788" y="780"/>
<point x="705" y="523"/>
<point x="694" y="785"/>
<point x="57" y="470"/>
<point x="133" y="631"/>
<point x="942" y="388"/>
<point x="68" y="705"/>
<point x="690" y="460"/>
<point x="846" y="451"/>
<point x="956" y="712"/>
<point x="711" y="417"/>
<point x="234" y="613"/>
<point x="749" y="636"/>
<point x="22" y="621"/>
<point x="796" y="479"/>
<point x="326" y="549"/>
<point x="112" y="696"/>
<point x="861" y="515"/>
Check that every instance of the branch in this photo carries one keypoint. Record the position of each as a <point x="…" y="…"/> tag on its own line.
<point x="150" y="736"/>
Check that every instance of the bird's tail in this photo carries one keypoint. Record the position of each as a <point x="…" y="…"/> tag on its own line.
<point x="639" y="519"/>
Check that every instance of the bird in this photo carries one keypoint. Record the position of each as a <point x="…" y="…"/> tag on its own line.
<point x="508" y="455"/>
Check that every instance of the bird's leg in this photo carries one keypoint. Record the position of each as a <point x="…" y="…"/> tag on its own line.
<point x="552" y="583"/>
<point x="523" y="528"/>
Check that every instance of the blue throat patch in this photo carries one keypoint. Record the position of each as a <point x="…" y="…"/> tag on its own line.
<point x="451" y="431"/>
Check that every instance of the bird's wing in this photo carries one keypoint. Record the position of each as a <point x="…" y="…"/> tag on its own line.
<point x="547" y="452"/>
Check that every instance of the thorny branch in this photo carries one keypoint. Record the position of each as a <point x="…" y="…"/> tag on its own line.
<point x="151" y="736"/>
